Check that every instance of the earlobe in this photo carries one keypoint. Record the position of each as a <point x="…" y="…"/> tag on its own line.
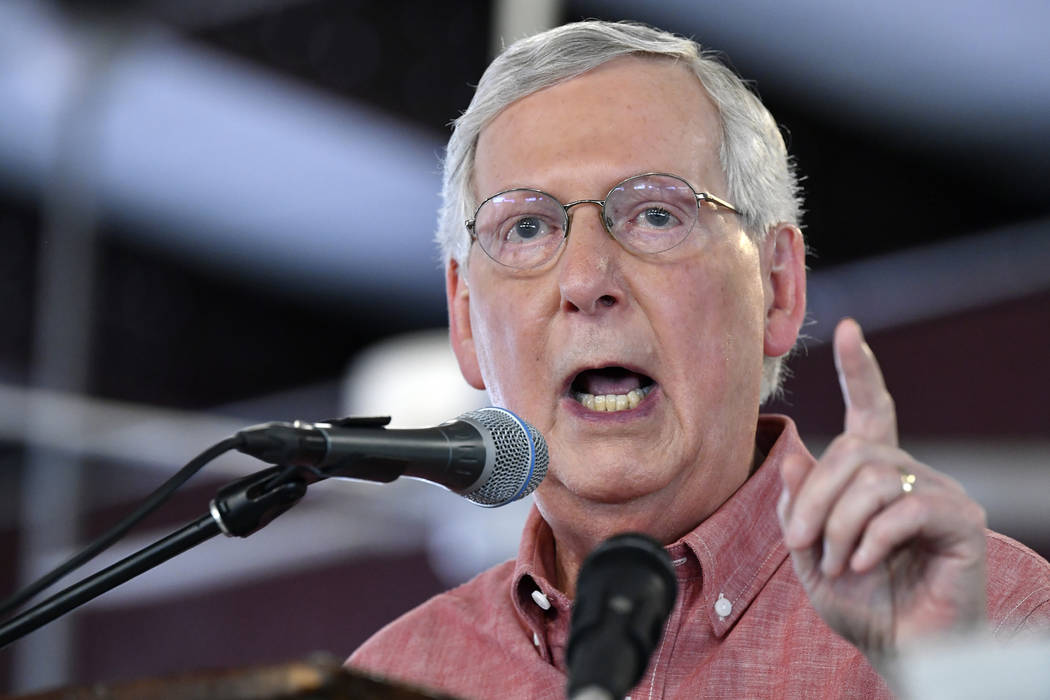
<point x="457" y="294"/>
<point x="784" y="265"/>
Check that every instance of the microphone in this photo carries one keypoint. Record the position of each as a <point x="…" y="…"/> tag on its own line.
<point x="489" y="456"/>
<point x="624" y="593"/>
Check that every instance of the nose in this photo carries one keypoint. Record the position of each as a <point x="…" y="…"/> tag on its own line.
<point x="589" y="272"/>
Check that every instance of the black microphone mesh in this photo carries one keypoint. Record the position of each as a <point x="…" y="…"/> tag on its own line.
<point x="518" y="452"/>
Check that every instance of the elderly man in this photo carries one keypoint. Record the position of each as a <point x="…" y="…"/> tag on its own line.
<point x="630" y="274"/>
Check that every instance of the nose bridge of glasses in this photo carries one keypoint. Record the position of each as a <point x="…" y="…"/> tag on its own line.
<point x="600" y="203"/>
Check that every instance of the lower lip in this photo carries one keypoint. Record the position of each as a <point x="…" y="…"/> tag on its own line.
<point x="643" y="409"/>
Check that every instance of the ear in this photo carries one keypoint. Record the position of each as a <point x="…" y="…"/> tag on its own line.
<point x="457" y="293"/>
<point x="784" y="268"/>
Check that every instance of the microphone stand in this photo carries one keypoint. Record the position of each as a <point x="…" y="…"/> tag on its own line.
<point x="238" y="509"/>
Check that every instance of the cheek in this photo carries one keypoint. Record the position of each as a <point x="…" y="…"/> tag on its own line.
<point x="717" y="318"/>
<point x="486" y="330"/>
<point x="508" y="350"/>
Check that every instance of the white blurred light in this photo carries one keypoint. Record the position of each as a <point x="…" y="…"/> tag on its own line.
<point x="940" y="68"/>
<point x="415" y="379"/>
<point x="975" y="668"/>
<point x="207" y="157"/>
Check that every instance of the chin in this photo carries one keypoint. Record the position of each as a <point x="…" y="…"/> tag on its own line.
<point x="609" y="484"/>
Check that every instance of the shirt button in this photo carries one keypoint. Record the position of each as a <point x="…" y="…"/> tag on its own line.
<point x="541" y="600"/>
<point x="723" y="608"/>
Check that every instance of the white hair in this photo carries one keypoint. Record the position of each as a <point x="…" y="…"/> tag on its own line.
<point x="759" y="174"/>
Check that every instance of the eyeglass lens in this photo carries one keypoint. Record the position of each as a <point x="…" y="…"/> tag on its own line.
<point x="646" y="214"/>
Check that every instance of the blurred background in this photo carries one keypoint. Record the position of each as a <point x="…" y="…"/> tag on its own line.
<point x="219" y="212"/>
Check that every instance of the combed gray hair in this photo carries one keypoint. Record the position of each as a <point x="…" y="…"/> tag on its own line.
<point x="759" y="173"/>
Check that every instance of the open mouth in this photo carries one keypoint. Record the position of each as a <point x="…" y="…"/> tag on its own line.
<point x="610" y="389"/>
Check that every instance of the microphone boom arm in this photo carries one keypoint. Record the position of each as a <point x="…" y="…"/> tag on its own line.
<point x="238" y="509"/>
<point x="489" y="456"/>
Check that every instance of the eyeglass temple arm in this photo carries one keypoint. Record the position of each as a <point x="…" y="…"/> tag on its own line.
<point x="705" y="197"/>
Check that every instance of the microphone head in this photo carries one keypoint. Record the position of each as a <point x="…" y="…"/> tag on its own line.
<point x="516" y="460"/>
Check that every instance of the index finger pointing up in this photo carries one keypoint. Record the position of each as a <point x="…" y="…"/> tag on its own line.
<point x="869" y="407"/>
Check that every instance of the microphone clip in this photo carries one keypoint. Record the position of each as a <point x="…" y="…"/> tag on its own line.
<point x="247" y="505"/>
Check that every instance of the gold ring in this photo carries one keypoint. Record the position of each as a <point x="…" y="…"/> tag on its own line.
<point x="907" y="482"/>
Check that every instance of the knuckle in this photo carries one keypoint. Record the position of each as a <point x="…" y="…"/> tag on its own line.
<point x="870" y="476"/>
<point x="853" y="443"/>
<point x="977" y="515"/>
<point x="836" y="529"/>
<point x="916" y="509"/>
<point x="878" y="535"/>
<point x="878" y="421"/>
<point x="846" y="444"/>
<point x="953" y="485"/>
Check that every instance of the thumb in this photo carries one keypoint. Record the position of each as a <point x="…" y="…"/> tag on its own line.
<point x="805" y="560"/>
<point x="793" y="472"/>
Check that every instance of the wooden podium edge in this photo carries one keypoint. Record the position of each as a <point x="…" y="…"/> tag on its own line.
<point x="318" y="677"/>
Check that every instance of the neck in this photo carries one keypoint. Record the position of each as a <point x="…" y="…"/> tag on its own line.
<point x="580" y="521"/>
<point x="590" y="523"/>
<point x="572" y="543"/>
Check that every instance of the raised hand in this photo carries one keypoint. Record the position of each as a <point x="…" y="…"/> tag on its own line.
<point x="889" y="550"/>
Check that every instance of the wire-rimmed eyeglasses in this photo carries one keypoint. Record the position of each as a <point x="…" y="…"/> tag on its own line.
<point x="525" y="228"/>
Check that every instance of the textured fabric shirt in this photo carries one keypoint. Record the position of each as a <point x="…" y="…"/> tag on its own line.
<point x="742" y="626"/>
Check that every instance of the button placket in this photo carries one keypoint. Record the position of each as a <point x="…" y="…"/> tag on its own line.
<point x="655" y="682"/>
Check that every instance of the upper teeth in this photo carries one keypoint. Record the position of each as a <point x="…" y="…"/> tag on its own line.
<point x="613" y="402"/>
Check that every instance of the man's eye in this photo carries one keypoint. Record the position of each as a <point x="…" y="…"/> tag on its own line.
<point x="657" y="218"/>
<point x="653" y="218"/>
<point x="524" y="229"/>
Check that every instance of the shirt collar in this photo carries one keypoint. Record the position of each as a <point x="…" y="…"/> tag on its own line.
<point x="740" y="546"/>
<point x="532" y="585"/>
<point x="737" y="549"/>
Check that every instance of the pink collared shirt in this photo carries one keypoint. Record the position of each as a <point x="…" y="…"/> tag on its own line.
<point x="742" y="626"/>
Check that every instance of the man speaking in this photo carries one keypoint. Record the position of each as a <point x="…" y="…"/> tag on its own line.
<point x="625" y="271"/>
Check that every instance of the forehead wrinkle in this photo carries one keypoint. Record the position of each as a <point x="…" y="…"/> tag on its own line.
<point x="696" y="130"/>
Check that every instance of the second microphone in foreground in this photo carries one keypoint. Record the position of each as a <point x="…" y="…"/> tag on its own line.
<point x="489" y="456"/>
<point x="624" y="594"/>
